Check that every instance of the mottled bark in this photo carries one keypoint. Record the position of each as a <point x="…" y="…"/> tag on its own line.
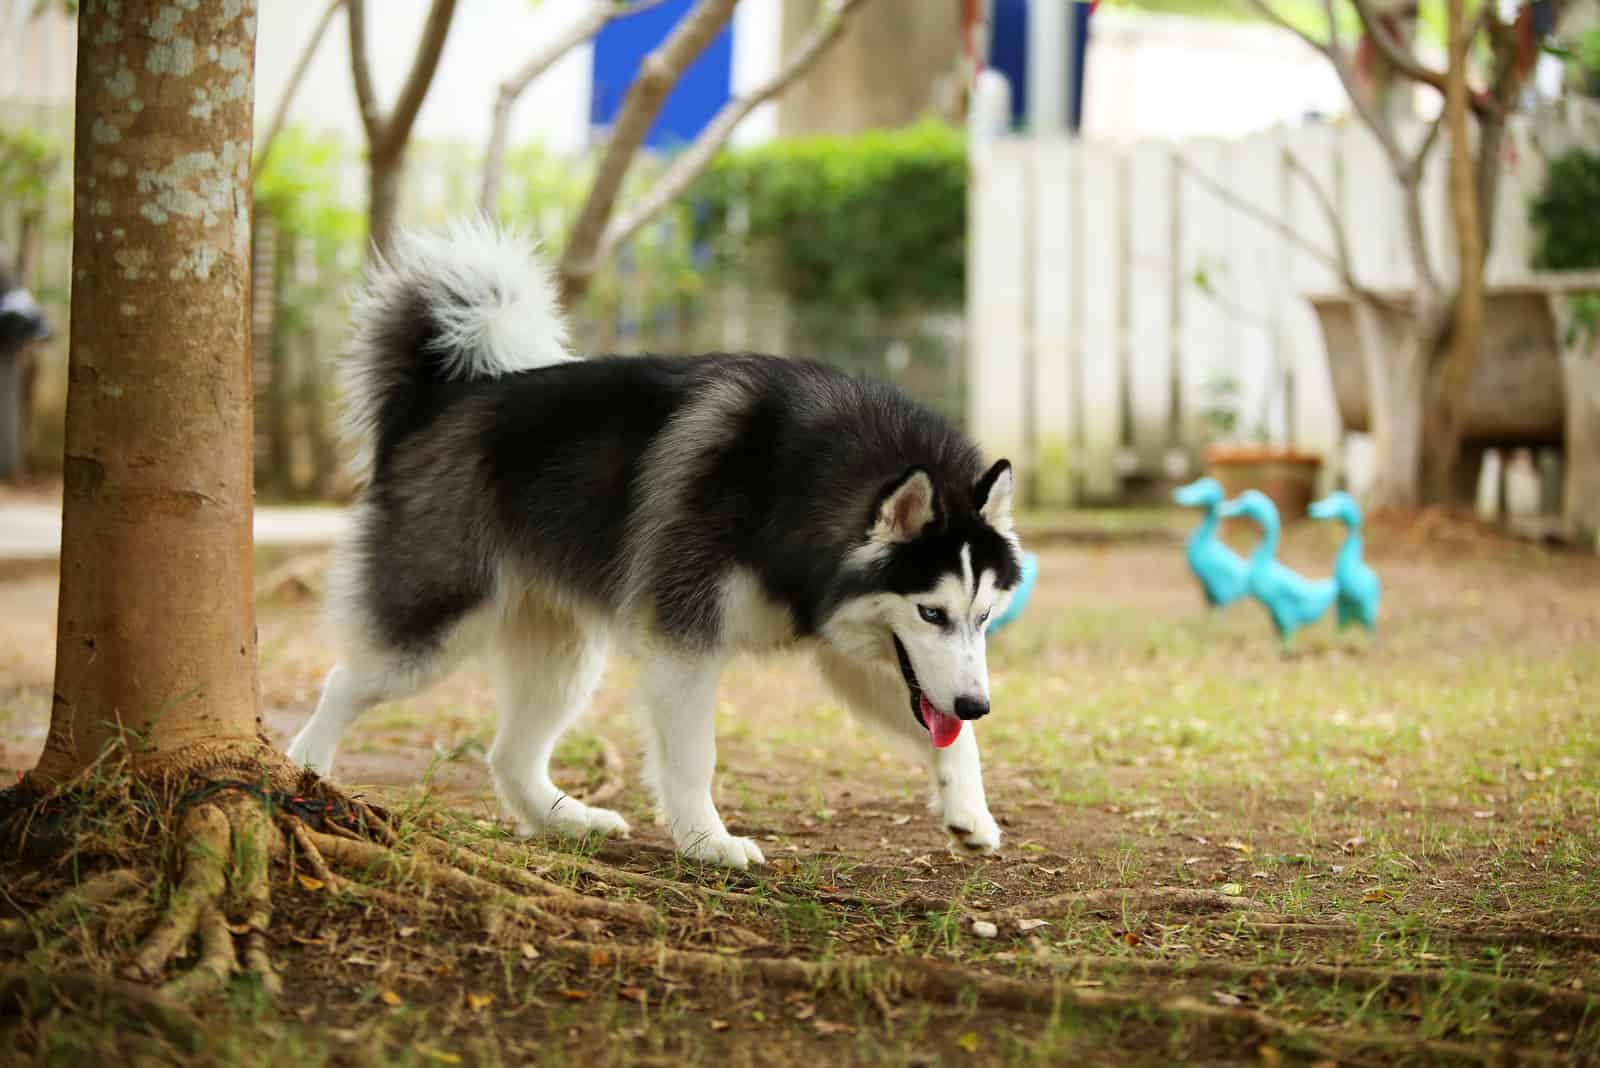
<point x="156" y="643"/>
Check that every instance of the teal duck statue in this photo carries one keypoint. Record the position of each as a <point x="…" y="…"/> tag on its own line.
<point x="1359" y="589"/>
<point x="1224" y="578"/>
<point x="1019" y="596"/>
<point x="1290" y="599"/>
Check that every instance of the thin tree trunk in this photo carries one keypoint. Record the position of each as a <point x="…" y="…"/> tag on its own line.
<point x="1452" y="366"/>
<point x="1581" y="493"/>
<point x="314" y="405"/>
<point x="388" y="135"/>
<point x="29" y="230"/>
<point x="1396" y="380"/>
<point x="11" y="418"/>
<point x="384" y="176"/>
<point x="156" y="641"/>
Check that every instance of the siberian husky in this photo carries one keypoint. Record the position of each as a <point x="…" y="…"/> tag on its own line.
<point x="534" y="506"/>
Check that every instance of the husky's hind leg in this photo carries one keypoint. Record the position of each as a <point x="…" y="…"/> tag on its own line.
<point x="956" y="773"/>
<point x="355" y="684"/>
<point x="676" y="704"/>
<point x="547" y="666"/>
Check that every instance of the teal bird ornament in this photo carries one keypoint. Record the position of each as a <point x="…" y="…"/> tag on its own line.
<point x="1019" y="596"/>
<point x="1359" y="589"/>
<point x="1223" y="576"/>
<point x="1290" y="599"/>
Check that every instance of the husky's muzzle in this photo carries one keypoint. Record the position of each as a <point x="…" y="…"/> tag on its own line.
<point x="943" y="728"/>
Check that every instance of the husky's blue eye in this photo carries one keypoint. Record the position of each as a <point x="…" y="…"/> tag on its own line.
<point x="936" y="616"/>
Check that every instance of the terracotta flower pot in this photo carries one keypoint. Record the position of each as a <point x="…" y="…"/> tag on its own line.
<point x="1286" y="476"/>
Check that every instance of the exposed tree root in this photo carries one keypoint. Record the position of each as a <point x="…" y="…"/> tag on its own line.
<point x="930" y="981"/>
<point x="25" y="993"/>
<point x="510" y="854"/>
<point x="205" y="836"/>
<point x="1525" y="990"/>
<point x="1481" y="935"/>
<point x="1137" y="897"/>
<point x="97" y="891"/>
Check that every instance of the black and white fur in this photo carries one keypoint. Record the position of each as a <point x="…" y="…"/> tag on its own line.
<point x="525" y="503"/>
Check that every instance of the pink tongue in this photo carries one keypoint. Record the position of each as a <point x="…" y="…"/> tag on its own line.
<point x="942" y="729"/>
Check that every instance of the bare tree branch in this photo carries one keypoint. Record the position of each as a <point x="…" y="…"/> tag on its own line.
<point x="281" y="114"/>
<point x="591" y="23"/>
<point x="398" y="127"/>
<point x="657" y="75"/>
<point x="1396" y="53"/>
<point x="1374" y="119"/>
<point x="693" y="161"/>
<point x="366" y="95"/>
<point x="1271" y="14"/>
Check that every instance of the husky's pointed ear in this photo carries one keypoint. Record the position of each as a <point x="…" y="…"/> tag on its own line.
<point x="905" y="508"/>
<point x="993" y="495"/>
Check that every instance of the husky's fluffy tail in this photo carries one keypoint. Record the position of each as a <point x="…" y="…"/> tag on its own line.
<point x="474" y="302"/>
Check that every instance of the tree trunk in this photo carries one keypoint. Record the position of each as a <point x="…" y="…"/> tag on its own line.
<point x="1451" y="366"/>
<point x="156" y="641"/>
<point x="1396" y="378"/>
<point x="11" y="417"/>
<point x="1580" y="365"/>
<point x="384" y="175"/>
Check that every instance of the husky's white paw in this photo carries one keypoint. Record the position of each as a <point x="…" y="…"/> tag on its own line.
<point x="972" y="826"/>
<point x="574" y="819"/>
<point x="723" y="850"/>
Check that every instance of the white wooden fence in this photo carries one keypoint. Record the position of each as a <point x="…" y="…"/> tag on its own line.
<point x="1110" y="285"/>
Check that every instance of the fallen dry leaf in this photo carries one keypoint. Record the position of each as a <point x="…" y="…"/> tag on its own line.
<point x="438" y="1055"/>
<point x="1376" y="895"/>
<point x="529" y="951"/>
<point x="1029" y="925"/>
<point x="479" y="1002"/>
<point x="828" y="1027"/>
<point x="968" y="1041"/>
<point x="600" y="958"/>
<point x="389" y="997"/>
<point x="574" y="995"/>
<point x="1232" y="889"/>
<point x="720" y="1025"/>
<point x="309" y="882"/>
<point x="407" y="932"/>
<point x="635" y="993"/>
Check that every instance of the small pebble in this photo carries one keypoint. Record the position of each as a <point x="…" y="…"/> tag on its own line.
<point x="985" y="929"/>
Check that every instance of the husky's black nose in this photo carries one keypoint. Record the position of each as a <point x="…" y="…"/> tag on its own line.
<point x="971" y="708"/>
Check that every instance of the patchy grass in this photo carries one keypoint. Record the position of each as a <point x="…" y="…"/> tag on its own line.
<point x="1374" y="850"/>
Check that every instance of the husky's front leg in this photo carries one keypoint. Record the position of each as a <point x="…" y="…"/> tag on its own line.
<point x="958" y="793"/>
<point x="677" y="702"/>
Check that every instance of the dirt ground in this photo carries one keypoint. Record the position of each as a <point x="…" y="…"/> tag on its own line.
<point x="1373" y="850"/>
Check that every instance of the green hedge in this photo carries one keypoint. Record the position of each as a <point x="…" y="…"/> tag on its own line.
<point x="1566" y="214"/>
<point x="1566" y="225"/>
<point x="876" y="220"/>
